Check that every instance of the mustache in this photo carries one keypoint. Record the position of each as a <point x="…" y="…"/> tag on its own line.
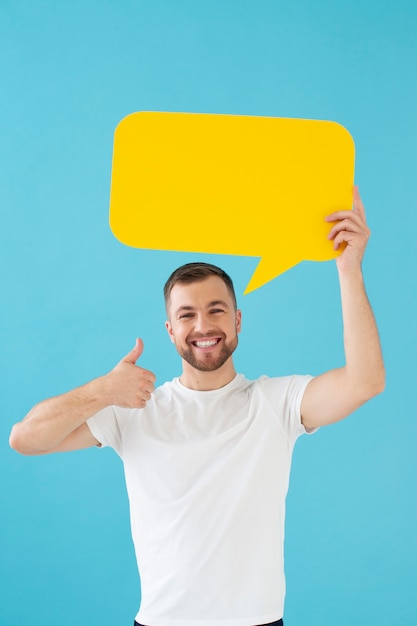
<point x="210" y="335"/>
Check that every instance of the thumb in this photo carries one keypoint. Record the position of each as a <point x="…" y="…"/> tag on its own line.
<point x="134" y="354"/>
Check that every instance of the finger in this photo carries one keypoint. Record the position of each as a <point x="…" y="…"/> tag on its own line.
<point x="147" y="380"/>
<point x="134" y="354"/>
<point x="343" y="215"/>
<point x="345" y="225"/>
<point x="149" y="377"/>
<point x="358" y="207"/>
<point x="343" y="237"/>
<point x="145" y="396"/>
<point x="142" y="397"/>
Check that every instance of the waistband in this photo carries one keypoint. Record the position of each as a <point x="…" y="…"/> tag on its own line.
<point x="278" y="623"/>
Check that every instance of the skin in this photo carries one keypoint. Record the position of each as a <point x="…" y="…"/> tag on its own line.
<point x="337" y="393"/>
<point x="200" y="313"/>
<point x="204" y="312"/>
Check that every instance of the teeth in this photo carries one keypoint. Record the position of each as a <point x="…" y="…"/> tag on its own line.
<point x="206" y="344"/>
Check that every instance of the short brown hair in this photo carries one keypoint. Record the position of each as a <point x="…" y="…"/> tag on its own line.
<point x="194" y="272"/>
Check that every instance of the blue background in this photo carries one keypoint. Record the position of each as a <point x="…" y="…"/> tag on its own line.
<point x="74" y="298"/>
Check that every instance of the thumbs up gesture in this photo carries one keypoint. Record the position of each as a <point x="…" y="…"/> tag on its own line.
<point x="129" y="385"/>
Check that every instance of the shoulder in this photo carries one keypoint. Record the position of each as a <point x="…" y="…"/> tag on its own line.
<point x="281" y="383"/>
<point x="281" y="391"/>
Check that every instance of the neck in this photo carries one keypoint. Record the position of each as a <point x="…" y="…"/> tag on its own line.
<point x="207" y="381"/>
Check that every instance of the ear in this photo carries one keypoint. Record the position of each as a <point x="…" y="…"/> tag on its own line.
<point x="238" y="318"/>
<point x="168" y="326"/>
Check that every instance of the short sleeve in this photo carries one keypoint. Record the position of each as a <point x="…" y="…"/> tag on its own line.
<point x="105" y="427"/>
<point x="284" y="395"/>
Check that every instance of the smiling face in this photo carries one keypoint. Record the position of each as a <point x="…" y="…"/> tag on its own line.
<point x="204" y="324"/>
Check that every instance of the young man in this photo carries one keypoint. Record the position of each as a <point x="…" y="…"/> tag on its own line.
<point x="207" y="456"/>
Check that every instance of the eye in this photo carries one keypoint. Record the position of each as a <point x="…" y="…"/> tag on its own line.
<point x="216" y="310"/>
<point x="185" y="315"/>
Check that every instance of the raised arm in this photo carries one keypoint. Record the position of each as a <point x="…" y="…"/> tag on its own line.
<point x="337" y="393"/>
<point x="58" y="424"/>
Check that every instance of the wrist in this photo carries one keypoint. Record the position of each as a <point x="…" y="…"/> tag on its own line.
<point x="99" y="392"/>
<point x="350" y="271"/>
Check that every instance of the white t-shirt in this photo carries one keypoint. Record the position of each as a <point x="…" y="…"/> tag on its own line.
<point x="207" y="475"/>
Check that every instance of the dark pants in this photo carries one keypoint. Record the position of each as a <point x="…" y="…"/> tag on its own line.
<point x="278" y="623"/>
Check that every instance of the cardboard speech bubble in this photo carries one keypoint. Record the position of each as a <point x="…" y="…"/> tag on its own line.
<point x="226" y="184"/>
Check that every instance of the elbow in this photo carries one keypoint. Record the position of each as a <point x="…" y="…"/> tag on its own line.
<point x="14" y="439"/>
<point x="18" y="442"/>
<point x="375" y="386"/>
<point x="380" y="381"/>
<point x="381" y="386"/>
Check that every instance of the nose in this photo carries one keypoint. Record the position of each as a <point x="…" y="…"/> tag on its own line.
<point x="202" y="323"/>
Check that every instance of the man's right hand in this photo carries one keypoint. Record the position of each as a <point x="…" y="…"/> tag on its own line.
<point x="128" y="385"/>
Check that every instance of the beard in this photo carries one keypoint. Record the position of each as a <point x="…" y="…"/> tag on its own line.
<point x="209" y="362"/>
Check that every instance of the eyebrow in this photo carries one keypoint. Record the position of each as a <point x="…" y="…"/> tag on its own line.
<point x="209" y="306"/>
<point x="217" y="303"/>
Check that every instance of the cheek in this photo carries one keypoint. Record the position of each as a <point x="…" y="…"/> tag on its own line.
<point x="232" y="331"/>
<point x="177" y="335"/>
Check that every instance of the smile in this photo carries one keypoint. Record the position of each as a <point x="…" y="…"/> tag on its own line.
<point x="206" y="343"/>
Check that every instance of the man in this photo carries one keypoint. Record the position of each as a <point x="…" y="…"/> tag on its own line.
<point x="207" y="456"/>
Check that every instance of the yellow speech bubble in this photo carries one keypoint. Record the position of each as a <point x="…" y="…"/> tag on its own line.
<point x="227" y="184"/>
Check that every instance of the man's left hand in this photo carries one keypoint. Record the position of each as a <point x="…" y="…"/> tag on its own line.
<point x="350" y="230"/>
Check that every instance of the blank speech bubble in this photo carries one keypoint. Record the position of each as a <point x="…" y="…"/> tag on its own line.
<point x="227" y="184"/>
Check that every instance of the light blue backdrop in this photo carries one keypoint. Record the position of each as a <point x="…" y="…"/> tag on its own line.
<point x="74" y="298"/>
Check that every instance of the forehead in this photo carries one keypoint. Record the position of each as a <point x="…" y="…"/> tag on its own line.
<point x="199" y="293"/>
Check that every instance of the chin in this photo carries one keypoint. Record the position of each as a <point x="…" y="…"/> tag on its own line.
<point x="211" y="364"/>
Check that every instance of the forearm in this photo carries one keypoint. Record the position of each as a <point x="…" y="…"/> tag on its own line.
<point x="364" y="367"/>
<point x="48" y="423"/>
<point x="60" y="420"/>
<point x="337" y="393"/>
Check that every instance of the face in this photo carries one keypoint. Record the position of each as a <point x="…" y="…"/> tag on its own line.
<point x="203" y="323"/>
